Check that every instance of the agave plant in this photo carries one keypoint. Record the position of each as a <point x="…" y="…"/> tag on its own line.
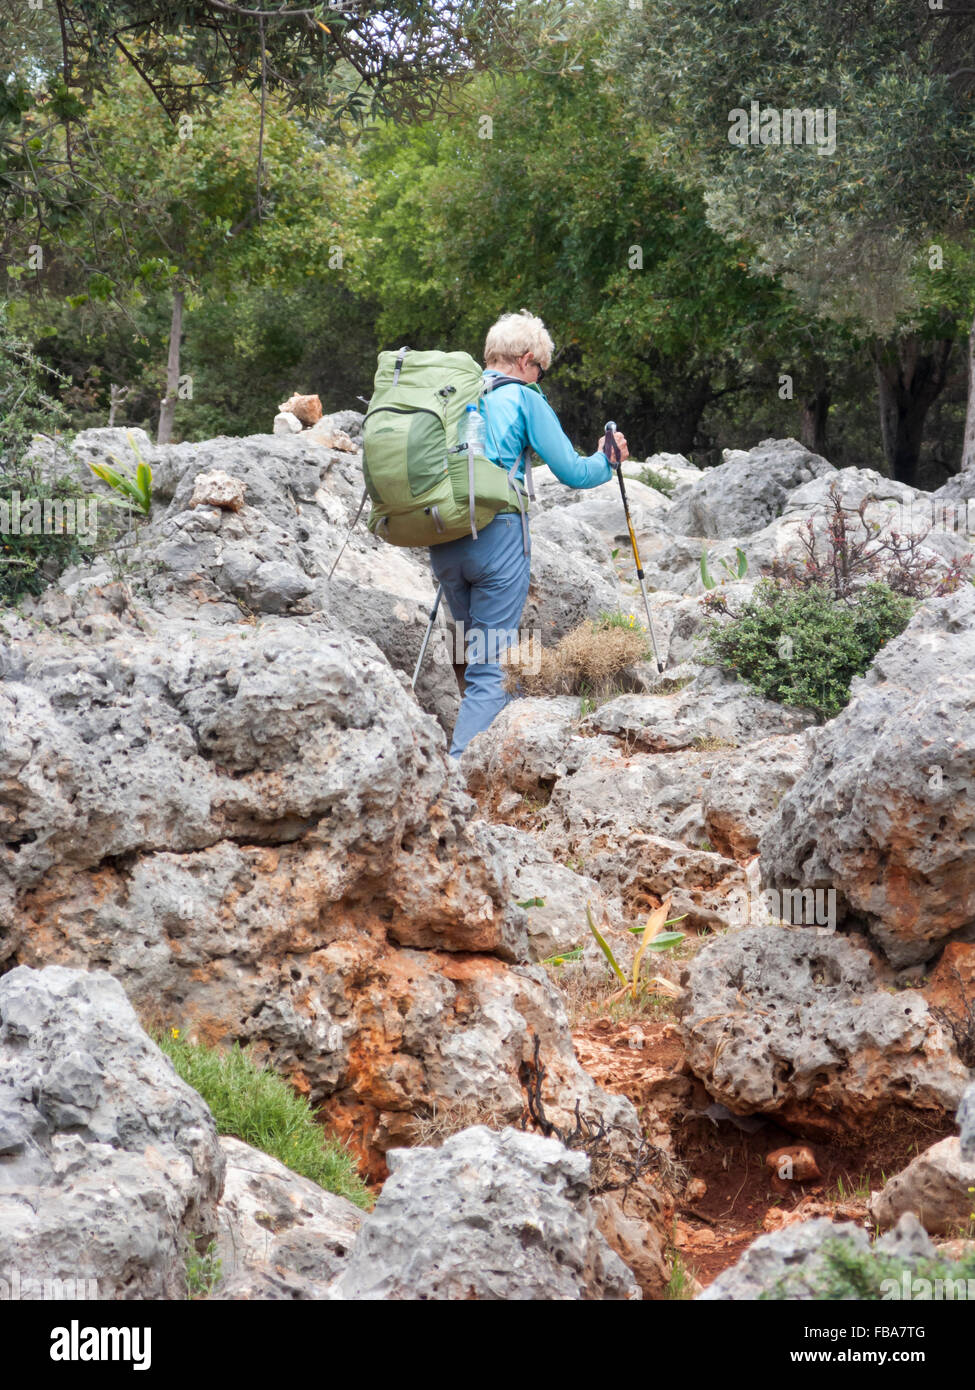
<point x="653" y="937"/>
<point x="734" y="569"/>
<point x="136" y="490"/>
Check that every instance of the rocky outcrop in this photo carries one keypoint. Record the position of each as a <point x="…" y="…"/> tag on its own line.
<point x="110" y="1165"/>
<point x="740" y="797"/>
<point x="746" y="491"/>
<point x="246" y="818"/>
<point x="885" y="814"/>
<point x="487" y="1216"/>
<point x="794" y="1022"/>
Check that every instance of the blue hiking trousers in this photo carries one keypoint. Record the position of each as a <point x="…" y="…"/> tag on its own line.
<point x="485" y="582"/>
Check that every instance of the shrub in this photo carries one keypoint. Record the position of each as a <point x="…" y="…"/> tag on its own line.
<point x="588" y="661"/>
<point x="802" y="647"/>
<point x="660" y="481"/>
<point x="256" y="1105"/>
<point x="853" y="551"/>
<point x="848" y="1274"/>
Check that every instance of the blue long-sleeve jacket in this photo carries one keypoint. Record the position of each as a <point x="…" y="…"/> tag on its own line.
<point x="518" y="416"/>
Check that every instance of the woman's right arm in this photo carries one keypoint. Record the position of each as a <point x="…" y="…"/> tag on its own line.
<point x="554" y="447"/>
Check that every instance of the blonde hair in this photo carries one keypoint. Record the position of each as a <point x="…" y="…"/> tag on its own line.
<point x="514" y="334"/>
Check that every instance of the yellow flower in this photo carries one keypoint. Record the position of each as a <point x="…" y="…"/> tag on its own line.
<point x="174" y="1033"/>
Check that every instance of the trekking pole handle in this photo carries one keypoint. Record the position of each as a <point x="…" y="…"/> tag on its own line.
<point x="610" y="447"/>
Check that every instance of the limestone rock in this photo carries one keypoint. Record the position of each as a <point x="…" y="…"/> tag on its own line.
<point x="328" y="433"/>
<point x="791" y="1257"/>
<point x="286" y="422"/>
<point x="567" y="586"/>
<point x="486" y="1216"/>
<point x="792" y="1022"/>
<point x="711" y="711"/>
<point x="965" y="1118"/>
<point x="109" y="1163"/>
<point x="936" y="1186"/>
<point x="745" y="492"/>
<point x="530" y="745"/>
<point x="740" y="796"/>
<point x="556" y="920"/>
<point x="280" y="1235"/>
<point x="308" y="409"/>
<point x="218" y="489"/>
<point x="885" y="813"/>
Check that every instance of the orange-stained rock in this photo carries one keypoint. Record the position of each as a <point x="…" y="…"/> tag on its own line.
<point x="794" y="1163"/>
<point x="951" y="984"/>
<point x="308" y="409"/>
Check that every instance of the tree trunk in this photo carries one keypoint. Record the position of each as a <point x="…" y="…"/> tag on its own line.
<point x="968" y="446"/>
<point x="911" y="375"/>
<point x="168" y="410"/>
<point x="682" y="436"/>
<point x="815" y="410"/>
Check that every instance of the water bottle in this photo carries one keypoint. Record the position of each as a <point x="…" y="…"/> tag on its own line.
<point x="471" y="429"/>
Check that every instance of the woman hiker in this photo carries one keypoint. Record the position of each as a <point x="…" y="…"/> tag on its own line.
<point x="485" y="580"/>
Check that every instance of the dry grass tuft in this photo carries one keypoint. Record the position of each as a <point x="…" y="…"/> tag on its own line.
<point x="445" y="1118"/>
<point x="587" y="661"/>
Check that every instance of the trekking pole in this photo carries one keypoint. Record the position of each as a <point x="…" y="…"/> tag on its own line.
<point x="355" y="523"/>
<point x="426" y="639"/>
<point x="612" y="452"/>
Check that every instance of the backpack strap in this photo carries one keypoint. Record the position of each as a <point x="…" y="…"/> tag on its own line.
<point x="524" y="457"/>
<point x="470" y="486"/>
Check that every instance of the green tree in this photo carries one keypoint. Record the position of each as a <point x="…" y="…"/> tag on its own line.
<point x="196" y="228"/>
<point x="539" y="194"/>
<point x="846" y="218"/>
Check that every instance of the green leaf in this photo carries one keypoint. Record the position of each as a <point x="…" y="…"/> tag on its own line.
<point x="706" y="579"/>
<point x="533" y="902"/>
<point x="604" y="947"/>
<point x="742" y="562"/>
<point x="665" y="940"/>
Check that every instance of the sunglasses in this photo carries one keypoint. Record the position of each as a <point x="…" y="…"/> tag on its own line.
<point x="538" y="368"/>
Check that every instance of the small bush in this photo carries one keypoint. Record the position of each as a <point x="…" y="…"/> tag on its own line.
<point x="660" y="481"/>
<point x="256" y="1105"/>
<point x="588" y="661"/>
<point x="853" y="551"/>
<point x="802" y="647"/>
<point x="848" y="1274"/>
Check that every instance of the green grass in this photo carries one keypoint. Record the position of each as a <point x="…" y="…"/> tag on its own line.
<point x="257" y="1106"/>
<point x="678" y="1288"/>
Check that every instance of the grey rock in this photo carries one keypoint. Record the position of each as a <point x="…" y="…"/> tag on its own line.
<point x="109" y="1163"/>
<point x="965" y="1120"/>
<point x="745" y="492"/>
<point x="529" y="746"/>
<point x="908" y="1240"/>
<point x="885" y="814"/>
<point x="741" y="795"/>
<point x="793" y="1022"/>
<point x="281" y="1236"/>
<point x="789" y="1262"/>
<point x="713" y="708"/>
<point x="566" y="588"/>
<point x="559" y="923"/>
<point x="276" y="585"/>
<point x="486" y="1216"/>
<point x="936" y="1187"/>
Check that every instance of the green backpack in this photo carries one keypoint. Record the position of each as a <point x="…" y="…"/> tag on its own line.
<point x="425" y="488"/>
